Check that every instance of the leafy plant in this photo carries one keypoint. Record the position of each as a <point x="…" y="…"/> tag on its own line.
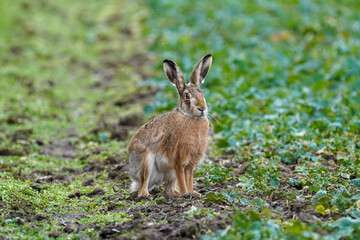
<point x="213" y="173"/>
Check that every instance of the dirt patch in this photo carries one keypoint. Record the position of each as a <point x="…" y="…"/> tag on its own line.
<point x="170" y="213"/>
<point x="21" y="135"/>
<point x="241" y="169"/>
<point x="22" y="210"/>
<point x="72" y="227"/>
<point x="71" y="171"/>
<point x="114" y="165"/>
<point x="88" y="182"/>
<point x="146" y="95"/>
<point x="119" y="172"/>
<point x="17" y="119"/>
<point x="36" y="187"/>
<point x="330" y="162"/>
<point x="96" y="192"/>
<point x="75" y="195"/>
<point x="119" y="131"/>
<point x="95" y="166"/>
<point x="47" y="176"/>
<point x="114" y="230"/>
<point x="133" y="120"/>
<point x="329" y="157"/>
<point x="105" y="78"/>
<point x="119" y="134"/>
<point x="303" y="211"/>
<point x="10" y="152"/>
<point x="60" y="178"/>
<point x="62" y="149"/>
<point x="176" y="226"/>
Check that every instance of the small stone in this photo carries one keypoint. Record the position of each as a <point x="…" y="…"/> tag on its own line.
<point x="88" y="182"/>
<point x="150" y="235"/>
<point x="96" y="192"/>
<point x="36" y="187"/>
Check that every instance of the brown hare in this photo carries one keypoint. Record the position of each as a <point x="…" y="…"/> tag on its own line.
<point x="169" y="147"/>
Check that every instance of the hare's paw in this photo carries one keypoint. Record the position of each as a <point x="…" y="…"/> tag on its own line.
<point x="143" y="193"/>
<point x="191" y="196"/>
<point x="196" y="193"/>
<point x="175" y="193"/>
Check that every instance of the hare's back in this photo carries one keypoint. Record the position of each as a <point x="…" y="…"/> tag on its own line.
<point x="150" y="133"/>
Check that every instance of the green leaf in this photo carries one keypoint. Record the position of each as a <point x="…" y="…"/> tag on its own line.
<point x="274" y="182"/>
<point x="222" y="143"/>
<point x="356" y="182"/>
<point x="345" y="226"/>
<point x="231" y="142"/>
<point x="320" y="209"/>
<point x="296" y="228"/>
<point x="244" y="201"/>
<point x="215" y="197"/>
<point x="103" y="136"/>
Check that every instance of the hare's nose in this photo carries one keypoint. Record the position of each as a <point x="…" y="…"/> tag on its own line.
<point x="201" y="109"/>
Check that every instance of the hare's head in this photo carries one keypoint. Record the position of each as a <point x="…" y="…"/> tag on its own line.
<point x="192" y="101"/>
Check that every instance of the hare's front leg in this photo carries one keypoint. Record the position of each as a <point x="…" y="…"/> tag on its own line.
<point x="180" y="178"/>
<point x="171" y="188"/>
<point x="189" y="176"/>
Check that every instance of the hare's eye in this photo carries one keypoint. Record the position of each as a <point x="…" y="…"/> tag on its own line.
<point x="187" y="96"/>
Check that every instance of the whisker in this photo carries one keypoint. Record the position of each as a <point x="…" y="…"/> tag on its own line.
<point x="212" y="117"/>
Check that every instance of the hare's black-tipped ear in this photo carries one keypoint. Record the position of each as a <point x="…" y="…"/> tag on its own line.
<point x="174" y="74"/>
<point x="200" y="71"/>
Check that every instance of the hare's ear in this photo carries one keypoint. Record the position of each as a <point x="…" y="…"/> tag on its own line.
<point x="200" y="71"/>
<point x="174" y="74"/>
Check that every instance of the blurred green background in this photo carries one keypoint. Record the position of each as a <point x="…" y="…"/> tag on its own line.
<point x="284" y="86"/>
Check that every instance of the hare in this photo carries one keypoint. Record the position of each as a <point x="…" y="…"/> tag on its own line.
<point x="169" y="147"/>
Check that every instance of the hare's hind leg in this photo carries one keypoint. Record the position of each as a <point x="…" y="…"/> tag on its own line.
<point x="139" y="172"/>
<point x="145" y="176"/>
<point x="135" y="185"/>
<point x="180" y="178"/>
<point x="170" y="184"/>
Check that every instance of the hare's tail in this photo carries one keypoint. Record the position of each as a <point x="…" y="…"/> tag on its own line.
<point x="135" y="186"/>
<point x="135" y="169"/>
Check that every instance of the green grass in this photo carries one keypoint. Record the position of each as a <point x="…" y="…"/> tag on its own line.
<point x="56" y="57"/>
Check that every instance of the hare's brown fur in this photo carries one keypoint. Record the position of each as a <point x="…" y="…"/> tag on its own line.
<point x="169" y="147"/>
